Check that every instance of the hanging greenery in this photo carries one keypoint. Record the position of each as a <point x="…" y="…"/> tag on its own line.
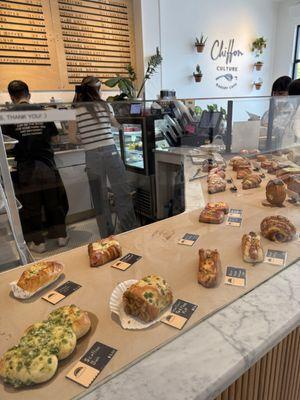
<point x="258" y="45"/>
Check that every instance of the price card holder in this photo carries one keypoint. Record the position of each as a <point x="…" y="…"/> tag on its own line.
<point x="235" y="276"/>
<point x="61" y="292"/>
<point x="188" y="239"/>
<point x="234" y="221"/>
<point x="127" y="261"/>
<point x="180" y="313"/>
<point x="235" y="213"/>
<point x="276" y="257"/>
<point x="91" y="364"/>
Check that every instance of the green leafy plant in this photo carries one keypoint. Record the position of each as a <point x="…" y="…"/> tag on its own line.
<point x="201" y="41"/>
<point x="153" y="63"/>
<point x="215" y="108"/>
<point x="258" y="45"/>
<point x="125" y="84"/>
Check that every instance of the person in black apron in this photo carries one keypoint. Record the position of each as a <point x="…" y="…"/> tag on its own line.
<point x="38" y="184"/>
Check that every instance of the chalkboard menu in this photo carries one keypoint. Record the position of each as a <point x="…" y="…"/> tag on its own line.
<point x="53" y="44"/>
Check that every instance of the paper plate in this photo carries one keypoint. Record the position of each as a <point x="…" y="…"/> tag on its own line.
<point x="20" y="293"/>
<point x="116" y="307"/>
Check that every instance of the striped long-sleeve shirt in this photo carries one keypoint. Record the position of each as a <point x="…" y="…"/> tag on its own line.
<point x="94" y="131"/>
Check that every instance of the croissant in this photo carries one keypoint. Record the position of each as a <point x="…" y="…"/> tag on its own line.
<point x="251" y="248"/>
<point x="209" y="268"/>
<point x="242" y="173"/>
<point x="251" y="182"/>
<point x="278" y="229"/>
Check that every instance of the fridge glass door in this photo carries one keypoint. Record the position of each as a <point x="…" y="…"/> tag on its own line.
<point x="133" y="145"/>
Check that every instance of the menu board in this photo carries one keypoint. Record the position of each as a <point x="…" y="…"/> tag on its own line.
<point x="23" y="37"/>
<point x="53" y="44"/>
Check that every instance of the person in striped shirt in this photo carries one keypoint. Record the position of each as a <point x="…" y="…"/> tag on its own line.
<point x="94" y="118"/>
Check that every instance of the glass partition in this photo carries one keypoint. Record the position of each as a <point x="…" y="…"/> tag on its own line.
<point x="72" y="174"/>
<point x="86" y="171"/>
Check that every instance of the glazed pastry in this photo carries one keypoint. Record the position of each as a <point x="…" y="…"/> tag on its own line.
<point x="276" y="192"/>
<point x="242" y="173"/>
<point x="216" y="184"/>
<point x="147" y="298"/>
<point x="219" y="206"/>
<point x="211" y="216"/>
<point x="251" y="182"/>
<point x="273" y="167"/>
<point x="241" y="164"/>
<point x="40" y="274"/>
<point x="278" y="229"/>
<point x="74" y="316"/>
<point x="266" y="164"/>
<point x="103" y="251"/>
<point x="234" y="159"/>
<point x="217" y="171"/>
<point x="261" y="158"/>
<point x="252" y="249"/>
<point x="209" y="271"/>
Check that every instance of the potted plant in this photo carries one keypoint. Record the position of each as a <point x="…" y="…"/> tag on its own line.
<point x="198" y="74"/>
<point x="200" y="43"/>
<point x="258" y="46"/>
<point x="258" y="65"/>
<point x="258" y="84"/>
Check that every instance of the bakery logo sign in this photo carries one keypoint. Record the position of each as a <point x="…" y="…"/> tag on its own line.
<point x="226" y="56"/>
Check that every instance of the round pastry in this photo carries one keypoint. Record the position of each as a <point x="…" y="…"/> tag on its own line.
<point x="24" y="366"/>
<point x="77" y="318"/>
<point x="276" y="192"/>
<point x="261" y="158"/>
<point x="241" y="164"/>
<point x="278" y="229"/>
<point x="251" y="182"/>
<point x="58" y="339"/>
<point x="234" y="159"/>
<point x="244" y="152"/>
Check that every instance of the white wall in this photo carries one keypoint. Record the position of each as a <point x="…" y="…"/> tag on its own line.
<point x="174" y="24"/>
<point x="288" y="19"/>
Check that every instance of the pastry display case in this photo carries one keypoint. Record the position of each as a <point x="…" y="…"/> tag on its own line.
<point x="107" y="295"/>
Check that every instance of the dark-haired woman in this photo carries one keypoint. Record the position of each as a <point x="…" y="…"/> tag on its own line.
<point x="103" y="162"/>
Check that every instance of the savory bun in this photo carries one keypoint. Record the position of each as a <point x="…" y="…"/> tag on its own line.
<point x="277" y="229"/>
<point x="79" y="319"/>
<point x="251" y="182"/>
<point x="252" y="249"/>
<point x="103" y="251"/>
<point x="58" y="339"/>
<point x="209" y="271"/>
<point x="147" y="298"/>
<point x="234" y="159"/>
<point x="24" y="366"/>
<point x="39" y="275"/>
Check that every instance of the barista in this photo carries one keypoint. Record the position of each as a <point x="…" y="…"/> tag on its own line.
<point x="38" y="184"/>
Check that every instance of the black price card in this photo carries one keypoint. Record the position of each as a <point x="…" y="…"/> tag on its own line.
<point x="276" y="257"/>
<point x="180" y="313"/>
<point x="61" y="292"/>
<point x="126" y="261"/>
<point x="188" y="239"/>
<point x="234" y="221"/>
<point x="235" y="276"/>
<point x="234" y="212"/>
<point x="91" y="364"/>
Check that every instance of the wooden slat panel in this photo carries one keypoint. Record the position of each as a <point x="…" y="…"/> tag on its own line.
<point x="276" y="376"/>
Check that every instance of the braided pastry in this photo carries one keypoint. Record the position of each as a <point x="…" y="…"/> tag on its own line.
<point x="277" y="228"/>
<point x="209" y="271"/>
<point x="251" y="182"/>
